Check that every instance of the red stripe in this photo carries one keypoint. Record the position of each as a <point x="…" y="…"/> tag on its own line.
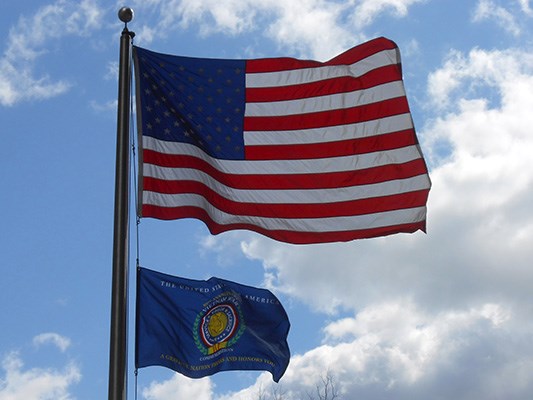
<point x="363" y="51"/>
<point x="350" y="56"/>
<point x="285" y="181"/>
<point x="317" y="180"/>
<point x="368" y="112"/>
<point x="345" y="84"/>
<point x="281" y="235"/>
<point x="301" y="210"/>
<point x="279" y="64"/>
<point x="341" y="148"/>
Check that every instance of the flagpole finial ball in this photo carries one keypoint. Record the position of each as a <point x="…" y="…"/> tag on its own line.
<point x="125" y="14"/>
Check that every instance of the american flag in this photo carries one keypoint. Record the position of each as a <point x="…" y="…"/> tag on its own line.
<point x="297" y="150"/>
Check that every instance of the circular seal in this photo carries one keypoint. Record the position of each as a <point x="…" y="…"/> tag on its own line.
<point x="219" y="325"/>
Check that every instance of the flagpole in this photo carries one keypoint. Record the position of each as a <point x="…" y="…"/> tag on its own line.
<point x="118" y="355"/>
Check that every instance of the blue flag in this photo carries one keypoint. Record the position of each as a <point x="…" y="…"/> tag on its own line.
<point x="199" y="328"/>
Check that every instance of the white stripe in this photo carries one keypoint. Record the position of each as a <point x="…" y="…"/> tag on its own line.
<point x="376" y="127"/>
<point x="329" y="224"/>
<point x="280" y="167"/>
<point x="289" y="196"/>
<point x="330" y="102"/>
<point x="314" y="74"/>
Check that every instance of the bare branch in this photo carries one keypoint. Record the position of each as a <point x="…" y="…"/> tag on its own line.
<point x="326" y="389"/>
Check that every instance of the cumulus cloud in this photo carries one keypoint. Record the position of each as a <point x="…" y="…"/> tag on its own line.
<point x="179" y="387"/>
<point x="475" y="71"/>
<point x="444" y="312"/>
<point x="396" y="350"/>
<point x="27" y="41"/>
<point x="35" y="383"/>
<point x="309" y="28"/>
<point x="479" y="219"/>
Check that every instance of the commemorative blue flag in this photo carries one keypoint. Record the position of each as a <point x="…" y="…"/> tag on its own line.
<point x="199" y="328"/>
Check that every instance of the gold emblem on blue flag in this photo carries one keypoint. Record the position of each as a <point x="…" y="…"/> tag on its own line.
<point x="219" y="325"/>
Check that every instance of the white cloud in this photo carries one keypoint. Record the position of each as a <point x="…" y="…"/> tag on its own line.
<point x="463" y="75"/>
<point x="524" y="5"/>
<point x="179" y="387"/>
<point x="366" y="11"/>
<point x="479" y="221"/>
<point x="310" y="28"/>
<point x="210" y="16"/>
<point x="35" y="383"/>
<point x="232" y="16"/>
<point x="17" y="85"/>
<point x="107" y="106"/>
<point x="444" y="312"/>
<point x="62" y="342"/>
<point x="412" y="48"/>
<point x="221" y="246"/>
<point x="505" y="19"/>
<point x="112" y="71"/>
<point x="398" y="350"/>
<point x="487" y="94"/>
<point x="27" y="41"/>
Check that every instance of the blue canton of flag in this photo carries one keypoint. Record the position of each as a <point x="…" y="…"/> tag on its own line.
<point x="199" y="328"/>
<point x="197" y="101"/>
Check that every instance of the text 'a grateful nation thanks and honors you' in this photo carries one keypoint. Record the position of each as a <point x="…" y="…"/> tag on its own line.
<point x="199" y="328"/>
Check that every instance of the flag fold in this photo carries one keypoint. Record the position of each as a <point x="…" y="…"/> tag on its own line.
<point x="199" y="328"/>
<point x="300" y="151"/>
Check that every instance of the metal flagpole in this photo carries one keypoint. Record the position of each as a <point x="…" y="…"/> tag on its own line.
<point x="118" y="355"/>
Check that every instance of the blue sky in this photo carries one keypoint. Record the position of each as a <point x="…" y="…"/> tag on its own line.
<point x="442" y="315"/>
